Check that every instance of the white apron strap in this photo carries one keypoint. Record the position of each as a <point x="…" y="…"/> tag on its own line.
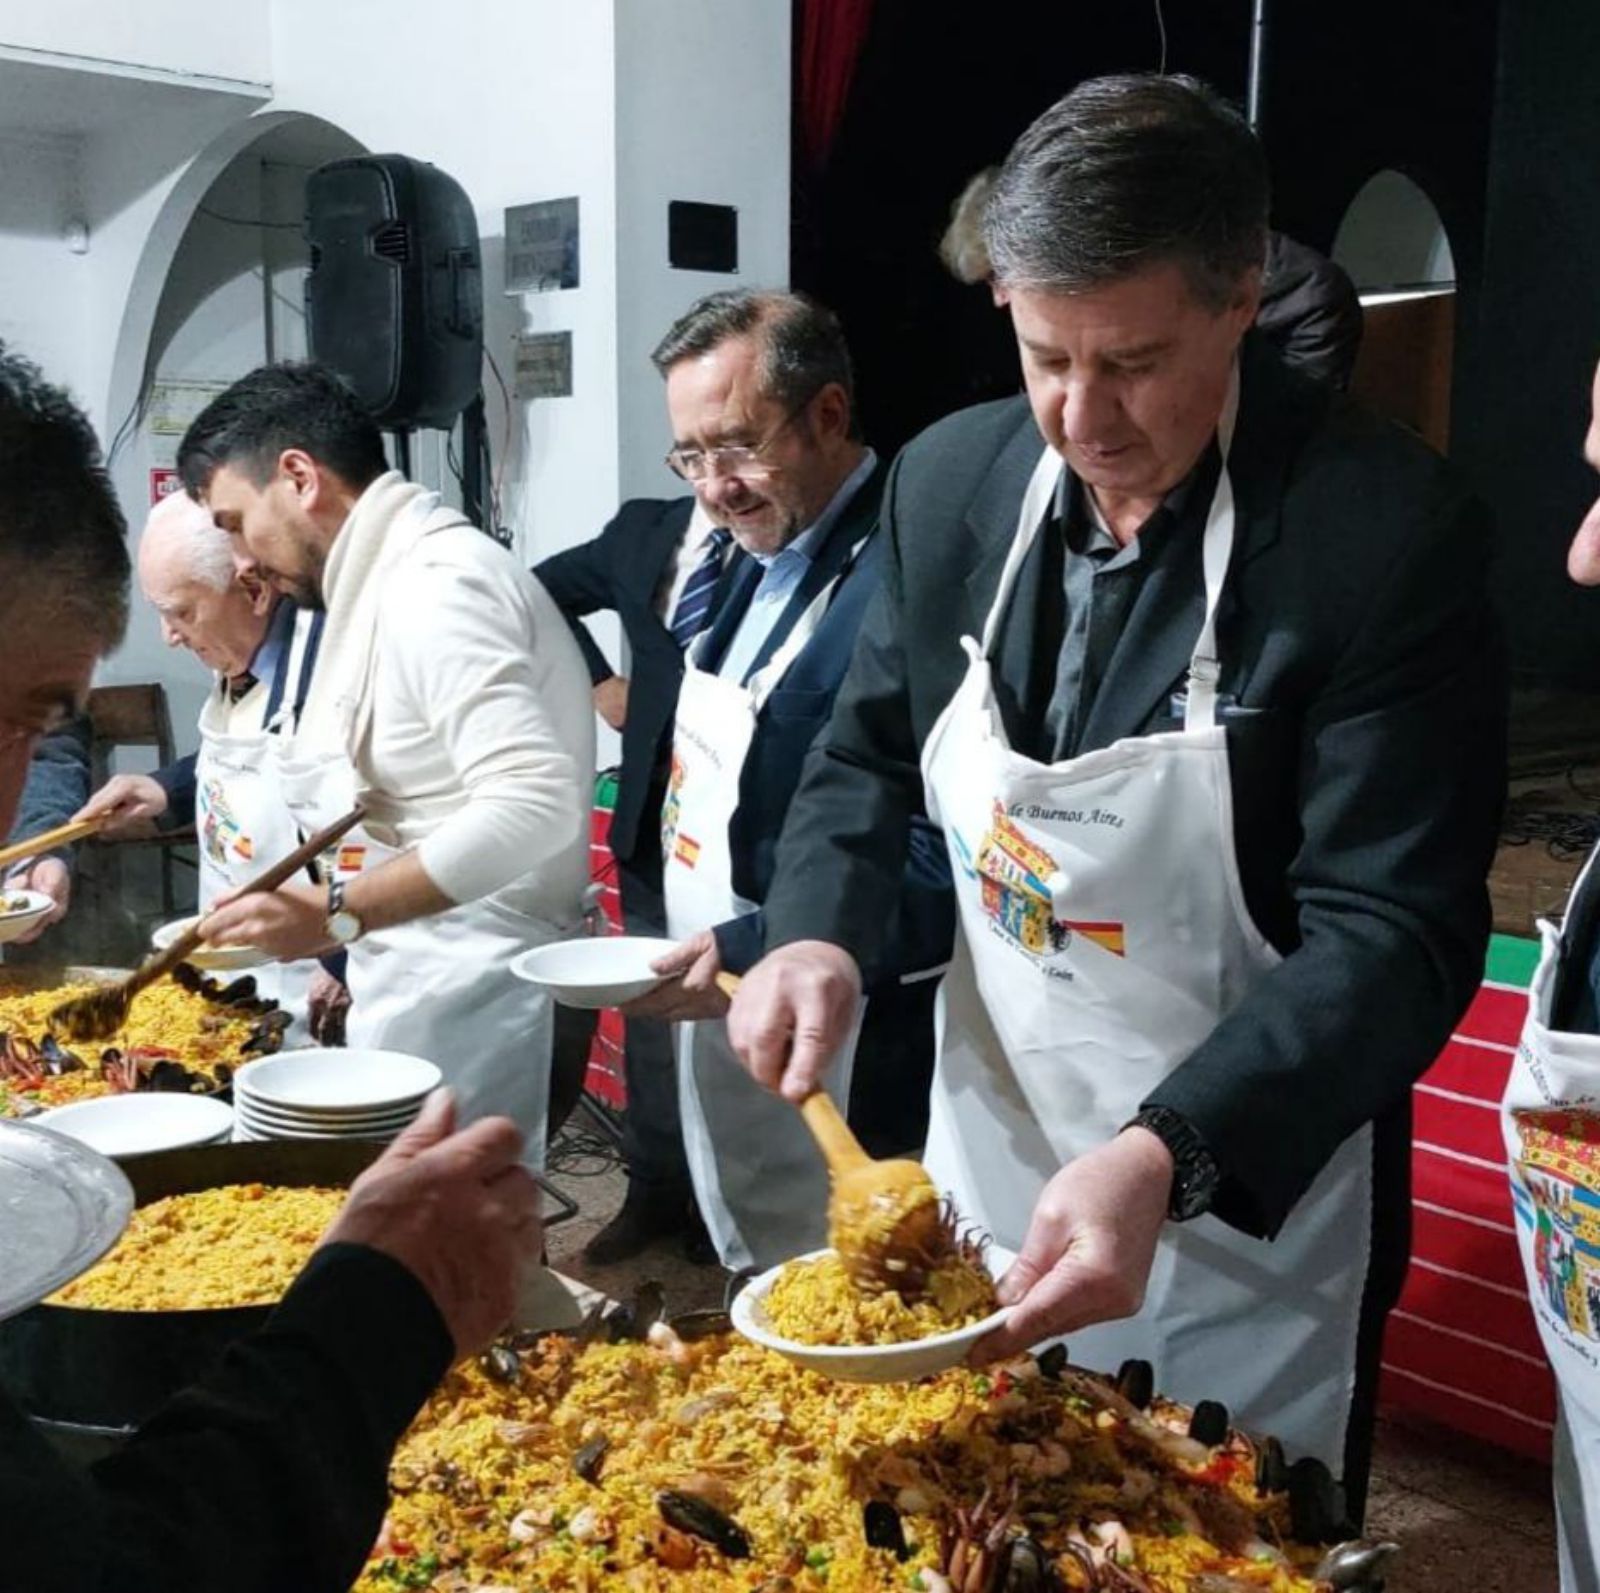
<point x="764" y="682"/>
<point x="1205" y="668"/>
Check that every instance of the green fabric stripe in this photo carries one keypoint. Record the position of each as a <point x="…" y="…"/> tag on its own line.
<point x="1511" y="960"/>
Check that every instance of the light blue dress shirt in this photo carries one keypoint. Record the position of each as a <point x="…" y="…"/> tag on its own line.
<point x="781" y="575"/>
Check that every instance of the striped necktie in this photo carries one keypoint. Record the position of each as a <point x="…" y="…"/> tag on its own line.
<point x="694" y="602"/>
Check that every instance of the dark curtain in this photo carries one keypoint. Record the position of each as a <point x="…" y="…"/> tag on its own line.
<point x="832" y="34"/>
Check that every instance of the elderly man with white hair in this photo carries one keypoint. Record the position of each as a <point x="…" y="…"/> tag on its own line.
<point x="261" y="649"/>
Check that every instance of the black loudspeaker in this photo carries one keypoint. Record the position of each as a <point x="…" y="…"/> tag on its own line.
<point x="394" y="297"/>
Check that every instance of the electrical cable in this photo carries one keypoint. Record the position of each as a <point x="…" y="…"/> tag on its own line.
<point x="248" y="221"/>
<point x="1161" y="23"/>
<point x="497" y="480"/>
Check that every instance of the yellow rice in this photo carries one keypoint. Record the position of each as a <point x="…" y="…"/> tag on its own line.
<point x="239" y="1244"/>
<point x="815" y="1302"/>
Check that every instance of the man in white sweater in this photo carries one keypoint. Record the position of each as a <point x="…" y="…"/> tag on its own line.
<point x="449" y="699"/>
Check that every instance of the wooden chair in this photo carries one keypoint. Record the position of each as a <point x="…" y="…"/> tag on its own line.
<point x="138" y="716"/>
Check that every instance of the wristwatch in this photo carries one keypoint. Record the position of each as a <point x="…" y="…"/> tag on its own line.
<point x="342" y="925"/>
<point x="1195" y="1174"/>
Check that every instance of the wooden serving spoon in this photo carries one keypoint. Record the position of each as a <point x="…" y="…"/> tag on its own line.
<point x="885" y="1218"/>
<point x="102" y="1012"/>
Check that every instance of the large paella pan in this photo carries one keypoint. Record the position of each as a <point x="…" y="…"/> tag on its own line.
<point x="690" y="1460"/>
<point x="186" y="1033"/>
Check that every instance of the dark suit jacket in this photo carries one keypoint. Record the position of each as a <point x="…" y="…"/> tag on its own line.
<point x="918" y="907"/>
<point x="1366" y="735"/>
<point x="621" y="570"/>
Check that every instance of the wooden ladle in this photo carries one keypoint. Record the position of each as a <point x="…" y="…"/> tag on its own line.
<point x="885" y="1218"/>
<point x="102" y="1012"/>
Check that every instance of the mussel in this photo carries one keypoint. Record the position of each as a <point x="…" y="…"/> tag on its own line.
<point x="57" y="1059"/>
<point x="691" y="1513"/>
<point x="588" y="1458"/>
<point x="1053" y="1361"/>
<point x="1136" y="1382"/>
<point x="1272" y="1467"/>
<point x="1024" y="1567"/>
<point x="692" y="1326"/>
<point x="1208" y="1423"/>
<point x="630" y="1322"/>
<point x="1355" y="1565"/>
<point x="880" y="1522"/>
<point x="233" y="994"/>
<point x="502" y="1363"/>
<point x="1317" y="1510"/>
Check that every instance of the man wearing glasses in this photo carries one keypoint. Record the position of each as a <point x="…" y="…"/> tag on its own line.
<point x="758" y="591"/>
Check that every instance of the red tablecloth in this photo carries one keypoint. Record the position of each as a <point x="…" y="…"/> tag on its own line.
<point x="1462" y="1347"/>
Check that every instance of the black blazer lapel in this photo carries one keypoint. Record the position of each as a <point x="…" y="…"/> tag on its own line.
<point x="856" y="520"/>
<point x="1024" y="671"/>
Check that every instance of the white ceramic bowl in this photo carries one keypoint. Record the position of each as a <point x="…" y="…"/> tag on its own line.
<point x="598" y="971"/>
<point x="864" y="1363"/>
<point x="30" y="908"/>
<point x="336" y="1082"/>
<point x="212" y="959"/>
<point x="135" y="1125"/>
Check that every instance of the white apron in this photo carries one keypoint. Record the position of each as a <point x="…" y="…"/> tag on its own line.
<point x="1551" y="1119"/>
<point x="439" y="987"/>
<point x="1103" y="937"/>
<point x="242" y="820"/>
<point x="759" y="1179"/>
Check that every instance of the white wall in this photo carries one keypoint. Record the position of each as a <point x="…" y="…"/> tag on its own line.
<point x="228" y="40"/>
<point x="43" y="284"/>
<point x="702" y="114"/>
<point x="623" y="103"/>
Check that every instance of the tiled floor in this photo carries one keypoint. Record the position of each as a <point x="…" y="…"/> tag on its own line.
<point x="1470" y="1519"/>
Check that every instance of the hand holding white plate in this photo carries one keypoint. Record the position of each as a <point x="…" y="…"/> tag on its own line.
<point x="210" y="959"/>
<point x="597" y="971"/>
<point x="865" y="1363"/>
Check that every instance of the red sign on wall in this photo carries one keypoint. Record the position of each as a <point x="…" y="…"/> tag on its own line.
<point x="163" y="483"/>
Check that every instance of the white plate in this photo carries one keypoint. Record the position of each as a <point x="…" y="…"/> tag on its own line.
<point x="16" y="921"/>
<point x="598" y="971"/>
<point x="261" y="1116"/>
<point x="134" y="1125"/>
<point x="864" y="1363"/>
<point x="246" y="1133"/>
<point x="292" y="1125"/>
<point x="211" y="959"/>
<point x="338" y="1082"/>
<point x="62" y="1207"/>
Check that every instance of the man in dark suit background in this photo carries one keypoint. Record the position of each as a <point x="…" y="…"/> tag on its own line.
<point x="674" y="569"/>
<point x="1122" y="1102"/>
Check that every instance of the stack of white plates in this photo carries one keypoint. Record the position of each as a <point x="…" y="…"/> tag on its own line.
<point x="135" y="1125"/>
<point x="330" y="1094"/>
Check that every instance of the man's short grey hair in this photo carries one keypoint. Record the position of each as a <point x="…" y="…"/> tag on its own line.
<point x="1127" y="173"/>
<point x="802" y="344"/>
<point x="201" y="546"/>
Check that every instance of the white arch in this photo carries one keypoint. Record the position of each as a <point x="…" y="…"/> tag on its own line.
<point x="166" y="232"/>
<point x="1393" y="238"/>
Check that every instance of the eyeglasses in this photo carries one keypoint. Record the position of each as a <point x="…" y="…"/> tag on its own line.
<point x="738" y="459"/>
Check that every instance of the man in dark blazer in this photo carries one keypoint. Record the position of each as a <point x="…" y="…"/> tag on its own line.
<point x="638" y="567"/>
<point x="642" y="566"/>
<point x="1360" y="697"/>
<point x="759" y="392"/>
